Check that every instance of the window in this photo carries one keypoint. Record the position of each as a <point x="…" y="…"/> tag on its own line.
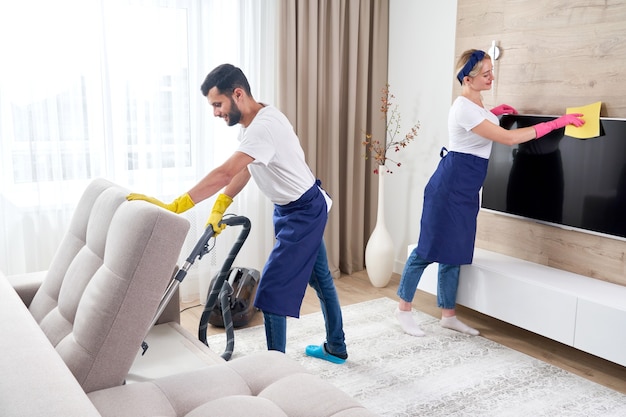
<point x="111" y="88"/>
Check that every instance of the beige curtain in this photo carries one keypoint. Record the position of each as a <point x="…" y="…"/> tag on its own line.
<point x="332" y="58"/>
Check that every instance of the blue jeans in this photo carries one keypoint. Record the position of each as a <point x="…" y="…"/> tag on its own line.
<point x="322" y="282"/>
<point x="447" y="281"/>
<point x="275" y="331"/>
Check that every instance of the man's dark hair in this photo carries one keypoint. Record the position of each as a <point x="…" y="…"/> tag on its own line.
<point x="226" y="78"/>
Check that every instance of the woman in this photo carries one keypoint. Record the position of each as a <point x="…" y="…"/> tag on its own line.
<point x="451" y="197"/>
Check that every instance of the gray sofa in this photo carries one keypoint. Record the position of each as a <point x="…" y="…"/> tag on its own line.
<point x="70" y="336"/>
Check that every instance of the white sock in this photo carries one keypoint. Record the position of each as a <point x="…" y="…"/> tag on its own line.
<point x="456" y="324"/>
<point x="407" y="323"/>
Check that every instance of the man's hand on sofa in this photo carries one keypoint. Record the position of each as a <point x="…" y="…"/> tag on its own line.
<point x="181" y="204"/>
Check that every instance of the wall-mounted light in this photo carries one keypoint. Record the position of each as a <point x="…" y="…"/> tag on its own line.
<point x="494" y="51"/>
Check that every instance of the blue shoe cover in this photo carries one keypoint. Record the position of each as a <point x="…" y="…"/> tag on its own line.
<point x="321" y="353"/>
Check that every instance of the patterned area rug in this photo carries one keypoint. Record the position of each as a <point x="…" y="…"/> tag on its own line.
<point x="444" y="373"/>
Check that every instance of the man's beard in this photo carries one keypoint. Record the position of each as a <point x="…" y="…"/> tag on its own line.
<point x="234" y="116"/>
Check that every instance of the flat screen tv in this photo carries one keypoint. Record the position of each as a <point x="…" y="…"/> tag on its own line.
<point x="560" y="180"/>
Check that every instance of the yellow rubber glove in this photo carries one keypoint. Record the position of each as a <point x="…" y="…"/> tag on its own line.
<point x="220" y="206"/>
<point x="182" y="203"/>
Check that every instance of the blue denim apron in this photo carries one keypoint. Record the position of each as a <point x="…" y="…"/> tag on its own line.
<point x="299" y="229"/>
<point x="451" y="204"/>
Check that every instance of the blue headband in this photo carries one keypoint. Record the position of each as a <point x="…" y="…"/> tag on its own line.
<point x="475" y="58"/>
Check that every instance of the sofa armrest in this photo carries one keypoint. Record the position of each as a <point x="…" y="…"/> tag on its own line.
<point x="26" y="285"/>
<point x="35" y="381"/>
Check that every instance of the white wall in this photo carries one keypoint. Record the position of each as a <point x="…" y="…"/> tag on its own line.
<point x="421" y="72"/>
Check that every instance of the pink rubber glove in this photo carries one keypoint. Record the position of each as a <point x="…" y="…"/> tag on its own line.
<point x="503" y="109"/>
<point x="544" y="128"/>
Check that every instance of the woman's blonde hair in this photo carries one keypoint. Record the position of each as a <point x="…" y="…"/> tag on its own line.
<point x="465" y="58"/>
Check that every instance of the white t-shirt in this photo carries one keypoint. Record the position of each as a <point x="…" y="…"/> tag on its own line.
<point x="279" y="167"/>
<point x="465" y="115"/>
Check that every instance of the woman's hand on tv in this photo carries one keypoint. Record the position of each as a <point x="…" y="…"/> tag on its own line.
<point x="542" y="129"/>
<point x="569" y="119"/>
<point x="503" y="109"/>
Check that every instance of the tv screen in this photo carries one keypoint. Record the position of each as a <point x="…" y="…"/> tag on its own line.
<point x="577" y="183"/>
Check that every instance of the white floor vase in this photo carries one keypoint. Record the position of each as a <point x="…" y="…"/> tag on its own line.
<point x="379" y="249"/>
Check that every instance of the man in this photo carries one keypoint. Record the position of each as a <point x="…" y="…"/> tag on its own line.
<point x="270" y="152"/>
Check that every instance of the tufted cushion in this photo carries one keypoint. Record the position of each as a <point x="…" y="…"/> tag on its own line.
<point x="238" y="406"/>
<point x="104" y="285"/>
<point x="263" y="384"/>
<point x="291" y="392"/>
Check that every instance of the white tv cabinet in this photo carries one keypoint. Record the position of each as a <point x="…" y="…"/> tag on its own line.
<point x="579" y="311"/>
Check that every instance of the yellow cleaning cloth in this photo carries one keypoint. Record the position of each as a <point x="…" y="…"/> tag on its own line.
<point x="591" y="116"/>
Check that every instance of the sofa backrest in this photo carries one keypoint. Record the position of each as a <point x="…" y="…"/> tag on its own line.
<point x="104" y="285"/>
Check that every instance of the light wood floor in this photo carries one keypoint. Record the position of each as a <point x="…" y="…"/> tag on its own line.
<point x="356" y="288"/>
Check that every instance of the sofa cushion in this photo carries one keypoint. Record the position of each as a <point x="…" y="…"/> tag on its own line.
<point x="321" y="398"/>
<point x="238" y="406"/>
<point x="262" y="384"/>
<point x="105" y="283"/>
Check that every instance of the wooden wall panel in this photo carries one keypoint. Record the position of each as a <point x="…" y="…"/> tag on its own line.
<point x="582" y="253"/>
<point x="554" y="55"/>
